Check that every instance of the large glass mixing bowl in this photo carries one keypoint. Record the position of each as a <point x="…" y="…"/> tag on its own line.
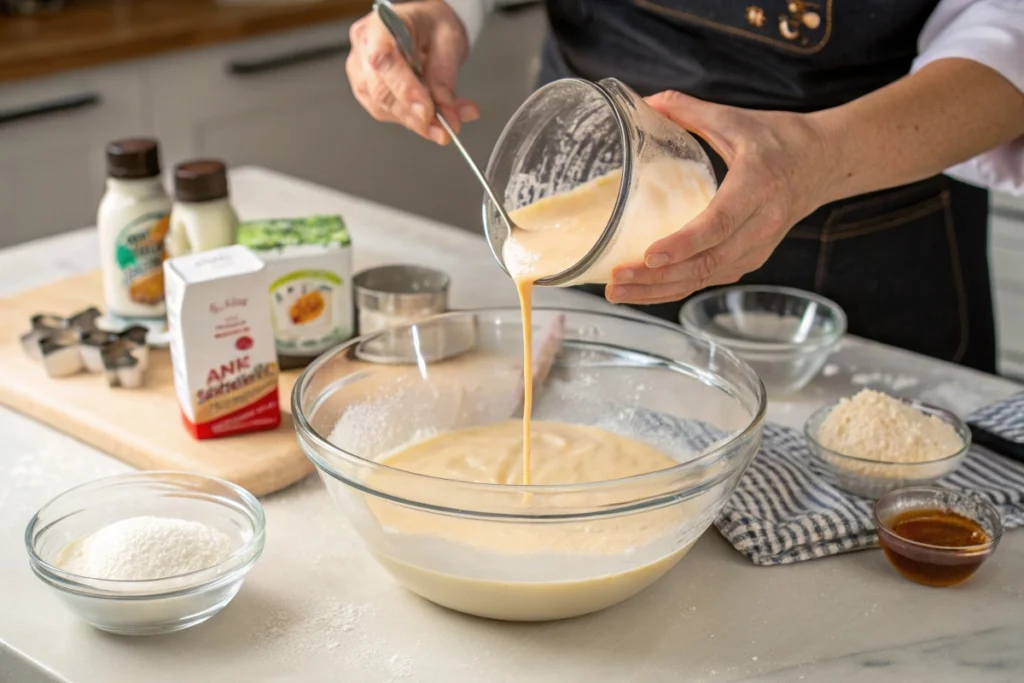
<point x="539" y="552"/>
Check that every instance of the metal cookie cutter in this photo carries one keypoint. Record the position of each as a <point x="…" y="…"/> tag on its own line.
<point x="67" y="346"/>
<point x="126" y="358"/>
<point x="123" y="356"/>
<point x="58" y="330"/>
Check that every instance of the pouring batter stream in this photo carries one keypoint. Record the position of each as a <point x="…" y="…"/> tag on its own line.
<point x="558" y="231"/>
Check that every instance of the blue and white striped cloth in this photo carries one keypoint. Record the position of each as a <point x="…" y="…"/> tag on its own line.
<point x="785" y="509"/>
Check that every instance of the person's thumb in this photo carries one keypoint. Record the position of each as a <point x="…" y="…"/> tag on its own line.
<point x="708" y="120"/>
<point x="686" y="111"/>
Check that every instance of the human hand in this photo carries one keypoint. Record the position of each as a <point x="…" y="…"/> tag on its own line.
<point x="386" y="86"/>
<point x="778" y="167"/>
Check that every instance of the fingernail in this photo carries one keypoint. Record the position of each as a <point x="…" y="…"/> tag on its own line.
<point x="468" y="113"/>
<point x="437" y="135"/>
<point x="618" y="293"/>
<point x="657" y="260"/>
<point x="419" y="111"/>
<point x="625" y="276"/>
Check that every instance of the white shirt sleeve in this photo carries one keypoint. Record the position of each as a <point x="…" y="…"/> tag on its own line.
<point x="472" y="13"/>
<point x="990" y="32"/>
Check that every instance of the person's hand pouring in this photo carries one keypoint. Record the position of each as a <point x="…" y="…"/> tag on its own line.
<point x="776" y="176"/>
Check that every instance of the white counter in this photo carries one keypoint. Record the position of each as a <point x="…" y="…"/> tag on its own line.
<point x="317" y="608"/>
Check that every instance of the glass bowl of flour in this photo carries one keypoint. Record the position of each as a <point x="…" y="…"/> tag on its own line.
<point x="871" y="443"/>
<point x="147" y="553"/>
<point x="785" y="334"/>
<point x="639" y="435"/>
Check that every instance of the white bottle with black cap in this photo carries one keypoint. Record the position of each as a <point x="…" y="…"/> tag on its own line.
<point x="133" y="222"/>
<point x="203" y="217"/>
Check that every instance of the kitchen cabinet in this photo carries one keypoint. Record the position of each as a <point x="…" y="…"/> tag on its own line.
<point x="280" y="101"/>
<point x="52" y="134"/>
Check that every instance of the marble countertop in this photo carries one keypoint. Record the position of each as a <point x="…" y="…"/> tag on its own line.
<point x="317" y="608"/>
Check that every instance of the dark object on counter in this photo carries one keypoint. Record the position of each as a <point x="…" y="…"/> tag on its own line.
<point x="996" y="443"/>
<point x="934" y="536"/>
<point x="133" y="159"/>
<point x="1000" y="427"/>
<point x="30" y="8"/>
<point x="202" y="180"/>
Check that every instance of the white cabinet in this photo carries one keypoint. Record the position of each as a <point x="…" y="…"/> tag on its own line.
<point x="276" y="102"/>
<point x="52" y="136"/>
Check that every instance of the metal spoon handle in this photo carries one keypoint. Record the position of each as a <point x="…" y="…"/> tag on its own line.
<point x="472" y="165"/>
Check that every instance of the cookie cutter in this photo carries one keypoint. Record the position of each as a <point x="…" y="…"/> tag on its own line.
<point x="67" y="346"/>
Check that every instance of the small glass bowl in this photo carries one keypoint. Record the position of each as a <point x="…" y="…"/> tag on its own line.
<point x="934" y="565"/>
<point x="873" y="479"/>
<point x="785" y="334"/>
<point x="130" y="607"/>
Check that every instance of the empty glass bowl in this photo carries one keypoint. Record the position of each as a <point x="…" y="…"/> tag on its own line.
<point x="872" y="478"/>
<point x="932" y="510"/>
<point x="785" y="334"/>
<point x="156" y="606"/>
<point x="516" y="552"/>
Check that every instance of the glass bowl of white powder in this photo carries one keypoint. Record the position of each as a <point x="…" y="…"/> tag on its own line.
<point x="575" y="539"/>
<point x="873" y="443"/>
<point x="785" y="334"/>
<point x="147" y="553"/>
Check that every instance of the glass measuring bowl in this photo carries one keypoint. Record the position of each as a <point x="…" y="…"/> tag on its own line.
<point x="572" y="131"/>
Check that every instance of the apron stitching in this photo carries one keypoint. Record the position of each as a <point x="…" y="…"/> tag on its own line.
<point x="822" y="271"/>
<point x="654" y="7"/>
<point x="896" y="220"/>
<point x="961" y="288"/>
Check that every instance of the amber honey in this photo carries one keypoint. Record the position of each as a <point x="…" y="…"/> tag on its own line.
<point x="958" y="546"/>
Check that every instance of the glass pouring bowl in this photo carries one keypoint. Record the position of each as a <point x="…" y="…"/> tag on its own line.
<point x="538" y="552"/>
<point x="572" y="131"/>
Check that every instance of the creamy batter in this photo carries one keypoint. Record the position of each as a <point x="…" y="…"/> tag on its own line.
<point x="547" y="553"/>
<point x="557" y="231"/>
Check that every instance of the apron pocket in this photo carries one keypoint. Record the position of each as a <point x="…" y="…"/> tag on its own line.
<point x="897" y="273"/>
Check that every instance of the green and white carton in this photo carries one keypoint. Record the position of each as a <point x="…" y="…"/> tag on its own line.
<point x="309" y="267"/>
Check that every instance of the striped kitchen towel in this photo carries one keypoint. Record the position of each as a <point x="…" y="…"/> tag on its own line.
<point x="787" y="509"/>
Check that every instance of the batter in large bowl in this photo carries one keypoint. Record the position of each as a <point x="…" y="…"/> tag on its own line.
<point x="548" y="570"/>
<point x="538" y="570"/>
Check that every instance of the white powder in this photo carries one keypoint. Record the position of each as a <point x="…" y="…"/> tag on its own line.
<point x="894" y="382"/>
<point x="876" y="426"/>
<point x="145" y="549"/>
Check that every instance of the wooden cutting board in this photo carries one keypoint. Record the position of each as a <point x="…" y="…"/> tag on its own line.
<point x="141" y="427"/>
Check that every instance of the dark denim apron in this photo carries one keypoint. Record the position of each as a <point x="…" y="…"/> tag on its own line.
<point x="909" y="265"/>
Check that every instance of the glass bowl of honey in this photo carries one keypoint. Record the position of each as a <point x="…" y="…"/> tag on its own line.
<point x="935" y="536"/>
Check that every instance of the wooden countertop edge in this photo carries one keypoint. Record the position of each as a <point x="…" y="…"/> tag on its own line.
<point x="153" y="41"/>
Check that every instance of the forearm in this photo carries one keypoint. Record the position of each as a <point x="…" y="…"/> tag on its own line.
<point x="949" y="111"/>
